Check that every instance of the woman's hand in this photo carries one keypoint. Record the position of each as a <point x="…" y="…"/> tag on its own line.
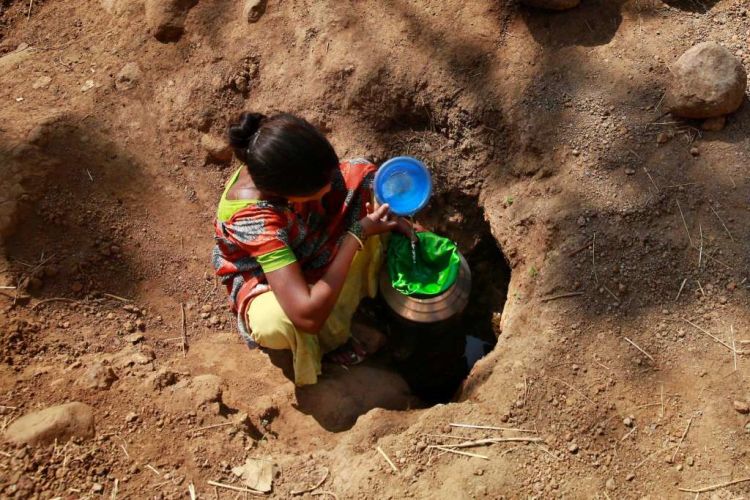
<point x="378" y="221"/>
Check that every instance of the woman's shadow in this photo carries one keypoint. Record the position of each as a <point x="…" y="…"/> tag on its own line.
<point x="342" y="394"/>
<point x="592" y="23"/>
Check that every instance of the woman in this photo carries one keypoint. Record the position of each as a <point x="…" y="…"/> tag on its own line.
<point x="297" y="242"/>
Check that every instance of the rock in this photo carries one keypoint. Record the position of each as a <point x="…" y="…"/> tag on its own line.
<point x="128" y="77"/>
<point x="610" y="484"/>
<point x="627" y="422"/>
<point x="707" y="82"/>
<point x="663" y="137"/>
<point x="166" y="18"/>
<point x="131" y="417"/>
<point x="128" y="326"/>
<point x="97" y="488"/>
<point x="163" y="378"/>
<point x="41" y="82"/>
<point x="741" y="407"/>
<point x="99" y="377"/>
<point x="714" y="124"/>
<point x="630" y="477"/>
<point x="573" y="448"/>
<point x="253" y="9"/>
<point x="218" y="149"/>
<point x="629" y="171"/>
<point x="134" y="338"/>
<point x="59" y="423"/>
<point x="695" y="151"/>
<point x="690" y="461"/>
<point x="88" y="85"/>
<point x="205" y="389"/>
<point x="552" y="4"/>
<point x="256" y="474"/>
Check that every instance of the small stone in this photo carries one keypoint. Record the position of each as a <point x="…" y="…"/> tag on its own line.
<point x="41" y="82"/>
<point x="627" y="422"/>
<point x="134" y="338"/>
<point x="128" y="326"/>
<point x="97" y="488"/>
<point x="131" y="417"/>
<point x="88" y="85"/>
<point x="206" y="308"/>
<point x="76" y="287"/>
<point x="663" y="137"/>
<point x="573" y="448"/>
<point x="214" y="320"/>
<point x="166" y="18"/>
<point x="741" y="407"/>
<point x="253" y="10"/>
<point x="217" y="149"/>
<point x="59" y="423"/>
<point x="629" y="171"/>
<point x="695" y="151"/>
<point x="679" y="468"/>
<point x="99" y="377"/>
<point x="690" y="461"/>
<point x="610" y="484"/>
<point x="630" y="477"/>
<point x="128" y="76"/>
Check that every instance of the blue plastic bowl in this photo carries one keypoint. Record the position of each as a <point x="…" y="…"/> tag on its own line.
<point x="404" y="183"/>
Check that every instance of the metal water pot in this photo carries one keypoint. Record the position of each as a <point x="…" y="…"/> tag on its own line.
<point x="426" y="310"/>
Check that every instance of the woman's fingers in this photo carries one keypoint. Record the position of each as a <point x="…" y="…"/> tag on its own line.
<point x="381" y="211"/>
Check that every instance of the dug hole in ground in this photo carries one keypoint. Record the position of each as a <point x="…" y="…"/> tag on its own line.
<point x="621" y="363"/>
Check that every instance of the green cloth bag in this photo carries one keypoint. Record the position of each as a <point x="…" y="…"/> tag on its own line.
<point x="436" y="269"/>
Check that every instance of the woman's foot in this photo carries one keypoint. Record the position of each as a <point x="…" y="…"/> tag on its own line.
<point x="349" y="354"/>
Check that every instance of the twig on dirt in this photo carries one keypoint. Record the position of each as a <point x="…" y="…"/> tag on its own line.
<point x="125" y="451"/>
<point x="651" y="179"/>
<point x="28" y="14"/>
<point x="580" y="249"/>
<point x="324" y="492"/>
<point x="593" y="258"/>
<point x="53" y="299"/>
<point x="317" y="485"/>
<point x="114" y="489"/>
<point x="184" y="330"/>
<point x="561" y="296"/>
<point x="149" y="466"/>
<point x="684" y="223"/>
<point x="700" y="288"/>
<point x="446" y="436"/>
<point x="637" y="347"/>
<point x="629" y="433"/>
<point x="662" y="401"/>
<point x="199" y="429"/>
<point x="682" y="438"/>
<point x="700" y="250"/>
<point x="191" y="491"/>
<point x="464" y="453"/>
<point x="710" y="335"/>
<point x="491" y="428"/>
<point x="610" y="292"/>
<point x="572" y="387"/>
<point x="734" y="346"/>
<point x="116" y="297"/>
<point x="91" y="178"/>
<point x="680" y="290"/>
<point x="482" y="442"/>
<point x="387" y="459"/>
<point x="722" y="223"/>
<point x="7" y="288"/>
<point x="650" y="457"/>
<point x="235" y="488"/>
<point x="715" y="486"/>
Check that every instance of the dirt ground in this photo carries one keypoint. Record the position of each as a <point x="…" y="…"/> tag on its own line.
<point x="624" y="341"/>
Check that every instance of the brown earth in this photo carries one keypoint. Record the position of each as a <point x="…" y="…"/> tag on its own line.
<point x="547" y="125"/>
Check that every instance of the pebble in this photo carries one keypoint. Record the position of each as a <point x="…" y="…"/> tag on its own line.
<point x="128" y="326"/>
<point x="690" y="461"/>
<point x="573" y="448"/>
<point x="741" y="407"/>
<point x="629" y="171"/>
<point x="627" y="421"/>
<point x="131" y="417"/>
<point x="630" y="477"/>
<point x="695" y="151"/>
<point x="610" y="484"/>
<point x="97" y="488"/>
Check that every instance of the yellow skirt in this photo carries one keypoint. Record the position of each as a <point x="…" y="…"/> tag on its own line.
<point x="271" y="328"/>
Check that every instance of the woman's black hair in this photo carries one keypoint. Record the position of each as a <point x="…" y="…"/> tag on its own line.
<point x="285" y="154"/>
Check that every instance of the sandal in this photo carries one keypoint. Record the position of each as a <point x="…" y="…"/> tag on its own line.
<point x="350" y="354"/>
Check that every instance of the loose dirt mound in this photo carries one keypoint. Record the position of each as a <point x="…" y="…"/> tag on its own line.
<point x="622" y="345"/>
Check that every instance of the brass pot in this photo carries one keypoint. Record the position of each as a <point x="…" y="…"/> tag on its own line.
<point x="448" y="304"/>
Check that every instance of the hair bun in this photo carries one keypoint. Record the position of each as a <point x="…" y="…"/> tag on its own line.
<point x="241" y="133"/>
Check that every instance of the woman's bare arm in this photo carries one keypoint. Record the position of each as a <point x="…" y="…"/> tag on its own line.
<point x="309" y="307"/>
